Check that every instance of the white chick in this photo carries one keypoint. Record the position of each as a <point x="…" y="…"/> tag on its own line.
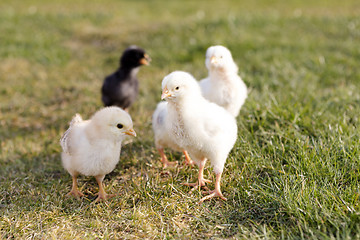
<point x="162" y="138"/>
<point x="92" y="147"/>
<point x="223" y="86"/>
<point x="204" y="129"/>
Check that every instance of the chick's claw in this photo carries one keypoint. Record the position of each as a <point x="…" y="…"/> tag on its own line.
<point x="190" y="184"/>
<point x="214" y="193"/>
<point x="196" y="185"/>
<point x="167" y="163"/>
<point x="200" y="183"/>
<point x="104" y="197"/>
<point x="75" y="193"/>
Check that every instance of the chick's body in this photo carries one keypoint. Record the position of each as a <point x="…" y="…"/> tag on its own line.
<point x="223" y="86"/>
<point x="90" y="155"/>
<point x="92" y="147"/>
<point x="204" y="129"/>
<point x="122" y="87"/>
<point x="162" y="137"/>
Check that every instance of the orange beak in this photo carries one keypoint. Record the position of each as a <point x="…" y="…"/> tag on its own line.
<point x="145" y="60"/>
<point x="165" y="93"/>
<point x="131" y="132"/>
<point x="213" y="59"/>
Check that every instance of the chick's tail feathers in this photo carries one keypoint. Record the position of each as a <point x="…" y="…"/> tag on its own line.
<point x="76" y="119"/>
<point x="63" y="140"/>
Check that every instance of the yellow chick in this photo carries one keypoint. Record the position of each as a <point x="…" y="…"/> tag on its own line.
<point x="92" y="147"/>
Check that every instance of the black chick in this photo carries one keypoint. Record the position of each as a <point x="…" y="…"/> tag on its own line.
<point x="122" y="87"/>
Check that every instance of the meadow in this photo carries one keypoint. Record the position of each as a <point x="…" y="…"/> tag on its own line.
<point x="294" y="172"/>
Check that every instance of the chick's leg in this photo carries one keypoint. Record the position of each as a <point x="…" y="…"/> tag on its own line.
<point x="188" y="160"/>
<point x="201" y="180"/>
<point x="216" y="192"/>
<point x="75" y="190"/>
<point x="164" y="159"/>
<point x="102" y="194"/>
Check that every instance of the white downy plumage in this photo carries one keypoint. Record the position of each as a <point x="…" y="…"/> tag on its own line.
<point x="92" y="147"/>
<point x="223" y="86"/>
<point x="204" y="129"/>
<point x="162" y="138"/>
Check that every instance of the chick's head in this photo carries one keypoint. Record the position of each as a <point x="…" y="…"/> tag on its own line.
<point x="219" y="58"/>
<point x="113" y="122"/>
<point x="134" y="57"/>
<point x="179" y="85"/>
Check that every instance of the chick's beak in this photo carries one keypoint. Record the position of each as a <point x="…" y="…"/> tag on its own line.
<point x="145" y="60"/>
<point x="166" y="93"/>
<point x="130" y="132"/>
<point x="213" y="59"/>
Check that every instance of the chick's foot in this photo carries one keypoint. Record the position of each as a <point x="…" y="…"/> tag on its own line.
<point x="166" y="163"/>
<point x="75" y="193"/>
<point x="214" y="193"/>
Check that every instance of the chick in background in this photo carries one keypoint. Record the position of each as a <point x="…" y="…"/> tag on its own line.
<point x="223" y="86"/>
<point x="122" y="87"/>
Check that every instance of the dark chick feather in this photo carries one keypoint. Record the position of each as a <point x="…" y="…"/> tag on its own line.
<point x="121" y="88"/>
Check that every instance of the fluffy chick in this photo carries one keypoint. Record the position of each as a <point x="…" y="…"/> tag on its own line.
<point x="122" y="87"/>
<point x="162" y="138"/>
<point x="92" y="147"/>
<point x="204" y="129"/>
<point x="223" y="86"/>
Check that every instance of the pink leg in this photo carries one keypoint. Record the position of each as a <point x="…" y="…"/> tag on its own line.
<point x="75" y="190"/>
<point x="201" y="180"/>
<point x="216" y="192"/>
<point x="102" y="194"/>
<point x="164" y="159"/>
<point x="188" y="160"/>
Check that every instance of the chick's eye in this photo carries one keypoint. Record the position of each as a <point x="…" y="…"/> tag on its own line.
<point x="119" y="126"/>
<point x="177" y="88"/>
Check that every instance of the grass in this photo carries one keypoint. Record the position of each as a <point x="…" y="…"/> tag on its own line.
<point x="293" y="173"/>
